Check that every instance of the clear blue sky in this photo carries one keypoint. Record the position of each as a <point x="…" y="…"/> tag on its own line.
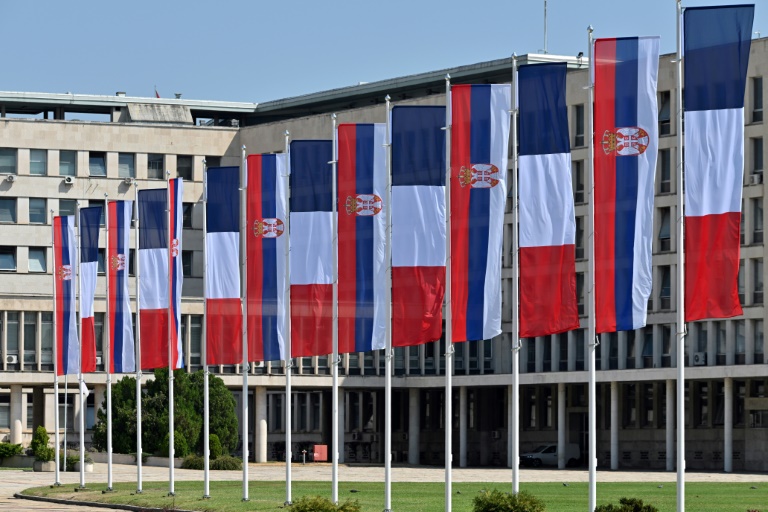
<point x="258" y="50"/>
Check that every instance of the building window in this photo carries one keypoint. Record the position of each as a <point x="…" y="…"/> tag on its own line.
<point x="8" y="210"/>
<point x="579" y="238"/>
<point x="759" y="346"/>
<point x="580" y="292"/>
<point x="630" y="351"/>
<point x="30" y="337"/>
<point x="215" y="161"/>
<point x="580" y="346"/>
<point x="126" y="165"/>
<point x="665" y="109"/>
<point x="155" y="167"/>
<point x="665" y="241"/>
<point x="720" y="338"/>
<point x="184" y="167"/>
<point x="741" y="223"/>
<point x="12" y="317"/>
<point x="5" y="411"/>
<point x="188" y="208"/>
<point x="7" y="161"/>
<point x="648" y="347"/>
<point x="578" y="181"/>
<point x="757" y="280"/>
<point x="757" y="154"/>
<point x="101" y="267"/>
<point x="186" y="263"/>
<point x="666" y="346"/>
<point x="67" y="163"/>
<point x="741" y="341"/>
<point x="38" y="162"/>
<point x="37" y="259"/>
<point x="701" y="394"/>
<point x="701" y="336"/>
<point x="131" y="262"/>
<point x="630" y="405"/>
<point x="665" y="171"/>
<point x="195" y="338"/>
<point x="665" y="293"/>
<point x="757" y="220"/>
<point x="578" y="139"/>
<point x="8" y="258"/>
<point x="740" y="282"/>
<point x="67" y="207"/>
<point x="37" y="213"/>
<point x="97" y="163"/>
<point x="46" y="340"/>
<point x="757" y="99"/>
<point x="101" y="204"/>
<point x="646" y="395"/>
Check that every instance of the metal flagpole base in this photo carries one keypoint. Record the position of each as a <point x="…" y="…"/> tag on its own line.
<point x="288" y="503"/>
<point x="108" y="489"/>
<point x="139" y="491"/>
<point x="81" y="488"/>
<point x="245" y="500"/>
<point x="171" y="494"/>
<point x="206" y="497"/>
<point x="56" y="484"/>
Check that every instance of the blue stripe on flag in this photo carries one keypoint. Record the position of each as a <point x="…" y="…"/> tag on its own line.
<point x="543" y="114"/>
<point x="89" y="234"/>
<point x="117" y="327"/>
<point x="364" y="152"/>
<point x="153" y="219"/>
<point x="311" y="186"/>
<point x="223" y="208"/>
<point x="67" y="290"/>
<point x="717" y="42"/>
<point x="626" y="182"/>
<point x="176" y="264"/>
<point x="479" y="210"/>
<point x="418" y="146"/>
<point x="270" y="342"/>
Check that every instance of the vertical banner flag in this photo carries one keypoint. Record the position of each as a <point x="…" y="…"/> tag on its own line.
<point x="311" y="245"/>
<point x="547" y="222"/>
<point x="64" y="258"/>
<point x="418" y="224"/>
<point x="224" y="319"/>
<point x="265" y="245"/>
<point x="89" y="262"/>
<point x="121" y="344"/>
<point x="157" y="279"/>
<point x="480" y="118"/>
<point x="627" y="137"/>
<point x="362" y="230"/>
<point x="716" y="45"/>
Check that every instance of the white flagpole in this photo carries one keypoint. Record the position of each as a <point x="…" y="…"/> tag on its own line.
<point x="335" y="328"/>
<point x="288" y="359"/>
<point x="515" y="426"/>
<point x="56" y="482"/>
<point x="243" y="297"/>
<point x="680" y="273"/>
<point x="388" y="352"/>
<point x="108" y="350"/>
<point x="66" y="413"/>
<point x="592" y="328"/>
<point x="448" y="305"/>
<point x="206" y="393"/>
<point x="171" y="340"/>
<point x="83" y="405"/>
<point x="137" y="348"/>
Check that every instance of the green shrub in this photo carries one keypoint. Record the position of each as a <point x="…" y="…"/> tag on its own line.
<point x="226" y="463"/>
<point x="9" y="450"/>
<point x="320" y="504"/>
<point x="214" y="445"/>
<point x="627" y="505"/>
<point x="497" y="501"/>
<point x="45" y="454"/>
<point x="40" y="440"/>
<point x="181" y="448"/>
<point x="73" y="457"/>
<point x="192" y="462"/>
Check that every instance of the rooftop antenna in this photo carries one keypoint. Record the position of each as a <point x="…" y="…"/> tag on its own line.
<point x="545" y="29"/>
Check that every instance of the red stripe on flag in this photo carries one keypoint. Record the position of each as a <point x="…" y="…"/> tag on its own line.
<point x="89" y="345"/>
<point x="347" y="239"/>
<point x="154" y="338"/>
<point x="224" y="328"/>
<point x="605" y="188"/>
<point x="57" y="263"/>
<point x="461" y="101"/>
<point x="255" y="273"/>
<point x="311" y="320"/>
<point x="547" y="290"/>
<point x="712" y="266"/>
<point x="417" y="305"/>
<point x="112" y="276"/>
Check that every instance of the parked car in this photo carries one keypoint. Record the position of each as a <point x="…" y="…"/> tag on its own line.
<point x="546" y="455"/>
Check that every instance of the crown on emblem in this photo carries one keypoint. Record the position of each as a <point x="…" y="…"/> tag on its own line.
<point x="465" y="176"/>
<point x="117" y="262"/>
<point x="609" y="142"/>
<point x="351" y="205"/>
<point x="64" y="272"/>
<point x="258" y="228"/>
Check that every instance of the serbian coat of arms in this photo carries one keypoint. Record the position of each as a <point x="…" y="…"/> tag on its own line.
<point x="479" y="176"/>
<point x="627" y="141"/>
<point x="363" y="205"/>
<point x="268" y="228"/>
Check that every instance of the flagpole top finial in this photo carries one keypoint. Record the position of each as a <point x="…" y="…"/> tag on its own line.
<point x="514" y="55"/>
<point x="590" y="29"/>
<point x="387" y="98"/>
<point x="242" y="147"/>
<point x="447" y="76"/>
<point x="286" y="133"/>
<point x="333" y="116"/>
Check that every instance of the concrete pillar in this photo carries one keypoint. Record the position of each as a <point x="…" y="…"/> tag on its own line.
<point x="622" y="350"/>
<point x="728" y="425"/>
<point x="99" y="395"/>
<point x="260" y="446"/>
<point x="730" y="342"/>
<point x="342" y="425"/>
<point x="670" y="426"/>
<point x="614" y="425"/>
<point x="561" y="425"/>
<point x="539" y="354"/>
<point x="463" y="426"/>
<point x="414" y="416"/>
<point x="48" y="418"/>
<point x="16" y="414"/>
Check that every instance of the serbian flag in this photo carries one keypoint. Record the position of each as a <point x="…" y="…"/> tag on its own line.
<point x="121" y="345"/>
<point x="89" y="263"/>
<point x="626" y="144"/>
<point x="224" y="319"/>
<point x="159" y="282"/>
<point x="266" y="246"/>
<point x="362" y="178"/>
<point x="479" y="147"/>
<point x="418" y="224"/>
<point x="547" y="222"/>
<point x="716" y="43"/>
<point x="311" y="247"/>
<point x="64" y="264"/>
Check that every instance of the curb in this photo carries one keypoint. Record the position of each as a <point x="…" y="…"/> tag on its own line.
<point x="114" y="506"/>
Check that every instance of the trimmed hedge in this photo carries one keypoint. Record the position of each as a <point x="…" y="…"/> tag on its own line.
<point x="320" y="504"/>
<point x="627" y="505"/>
<point x="497" y="501"/>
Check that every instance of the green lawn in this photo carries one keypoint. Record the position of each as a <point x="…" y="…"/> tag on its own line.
<point x="421" y="497"/>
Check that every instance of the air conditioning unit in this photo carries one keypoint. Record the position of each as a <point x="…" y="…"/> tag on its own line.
<point x="13" y="359"/>
<point x="10" y="178"/>
<point x="699" y="358"/>
<point x="129" y="181"/>
<point x="496" y="434"/>
<point x="98" y="360"/>
<point x="69" y="180"/>
<point x="756" y="179"/>
<point x="355" y="436"/>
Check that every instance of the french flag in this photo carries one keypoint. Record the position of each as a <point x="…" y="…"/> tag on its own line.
<point x="479" y="145"/>
<point x="89" y="262"/>
<point x="224" y="318"/>
<point x="716" y="43"/>
<point x="626" y="131"/>
<point x="547" y="222"/>
<point x="159" y="282"/>
<point x="266" y="246"/>
<point x="362" y="177"/>
<point x="121" y="344"/>
<point x="311" y="248"/>
<point x="64" y="264"/>
<point x="418" y="224"/>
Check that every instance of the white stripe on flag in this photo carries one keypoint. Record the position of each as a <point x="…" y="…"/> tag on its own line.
<point x="418" y="226"/>
<point x="87" y="287"/>
<point x="281" y="211"/>
<point x="546" y="201"/>
<point x="380" y="307"/>
<point x="154" y="278"/>
<point x="223" y="273"/>
<point x="311" y="248"/>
